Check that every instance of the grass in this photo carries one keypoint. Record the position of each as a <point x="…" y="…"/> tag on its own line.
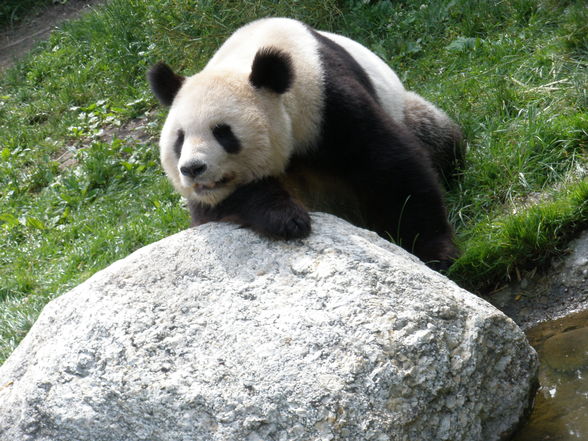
<point x="74" y="199"/>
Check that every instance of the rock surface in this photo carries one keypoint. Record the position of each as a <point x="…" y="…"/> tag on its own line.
<point x="217" y="334"/>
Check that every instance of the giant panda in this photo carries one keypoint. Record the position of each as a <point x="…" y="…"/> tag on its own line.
<point x="284" y="119"/>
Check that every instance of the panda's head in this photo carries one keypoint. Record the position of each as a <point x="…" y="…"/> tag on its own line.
<point x="225" y="128"/>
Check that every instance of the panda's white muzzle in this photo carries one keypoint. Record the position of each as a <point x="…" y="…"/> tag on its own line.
<point x="196" y="174"/>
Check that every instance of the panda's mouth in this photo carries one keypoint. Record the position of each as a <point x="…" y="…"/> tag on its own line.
<point x="205" y="187"/>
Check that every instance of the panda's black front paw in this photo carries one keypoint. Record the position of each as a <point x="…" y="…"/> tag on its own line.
<point x="266" y="207"/>
<point x="292" y="222"/>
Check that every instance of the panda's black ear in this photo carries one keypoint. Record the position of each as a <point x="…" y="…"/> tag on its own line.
<point x="272" y="69"/>
<point x="164" y="83"/>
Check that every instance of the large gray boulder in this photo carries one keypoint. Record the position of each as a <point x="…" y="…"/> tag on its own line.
<point x="218" y="334"/>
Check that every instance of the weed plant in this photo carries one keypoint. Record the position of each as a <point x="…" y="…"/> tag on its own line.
<point x="75" y="195"/>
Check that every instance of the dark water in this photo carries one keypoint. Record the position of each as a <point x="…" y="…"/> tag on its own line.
<point x="560" y="412"/>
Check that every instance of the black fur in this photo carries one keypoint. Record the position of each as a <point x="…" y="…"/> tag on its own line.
<point x="264" y="206"/>
<point x="386" y="164"/>
<point x="225" y="137"/>
<point x="272" y="69"/>
<point x="165" y="84"/>
<point x="179" y="143"/>
<point x="337" y="62"/>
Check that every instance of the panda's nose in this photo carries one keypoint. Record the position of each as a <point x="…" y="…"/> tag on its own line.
<point x="193" y="169"/>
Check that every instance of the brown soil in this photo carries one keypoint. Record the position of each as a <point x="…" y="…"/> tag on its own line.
<point x="18" y="40"/>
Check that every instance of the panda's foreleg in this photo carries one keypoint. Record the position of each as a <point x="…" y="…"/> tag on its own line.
<point x="264" y="206"/>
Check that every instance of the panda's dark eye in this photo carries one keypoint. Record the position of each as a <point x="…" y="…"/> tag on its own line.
<point x="225" y="137"/>
<point x="179" y="142"/>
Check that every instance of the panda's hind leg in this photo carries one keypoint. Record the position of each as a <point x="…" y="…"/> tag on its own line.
<point x="440" y="135"/>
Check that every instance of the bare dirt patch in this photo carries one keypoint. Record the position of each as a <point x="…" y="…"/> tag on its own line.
<point x="558" y="292"/>
<point x="18" y="40"/>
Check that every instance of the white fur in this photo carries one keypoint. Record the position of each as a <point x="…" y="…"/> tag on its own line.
<point x="270" y="127"/>
<point x="196" y="111"/>
<point x="303" y="102"/>
<point x="388" y="87"/>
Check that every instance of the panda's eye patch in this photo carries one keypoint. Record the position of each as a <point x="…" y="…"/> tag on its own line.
<point x="179" y="142"/>
<point x="225" y="137"/>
